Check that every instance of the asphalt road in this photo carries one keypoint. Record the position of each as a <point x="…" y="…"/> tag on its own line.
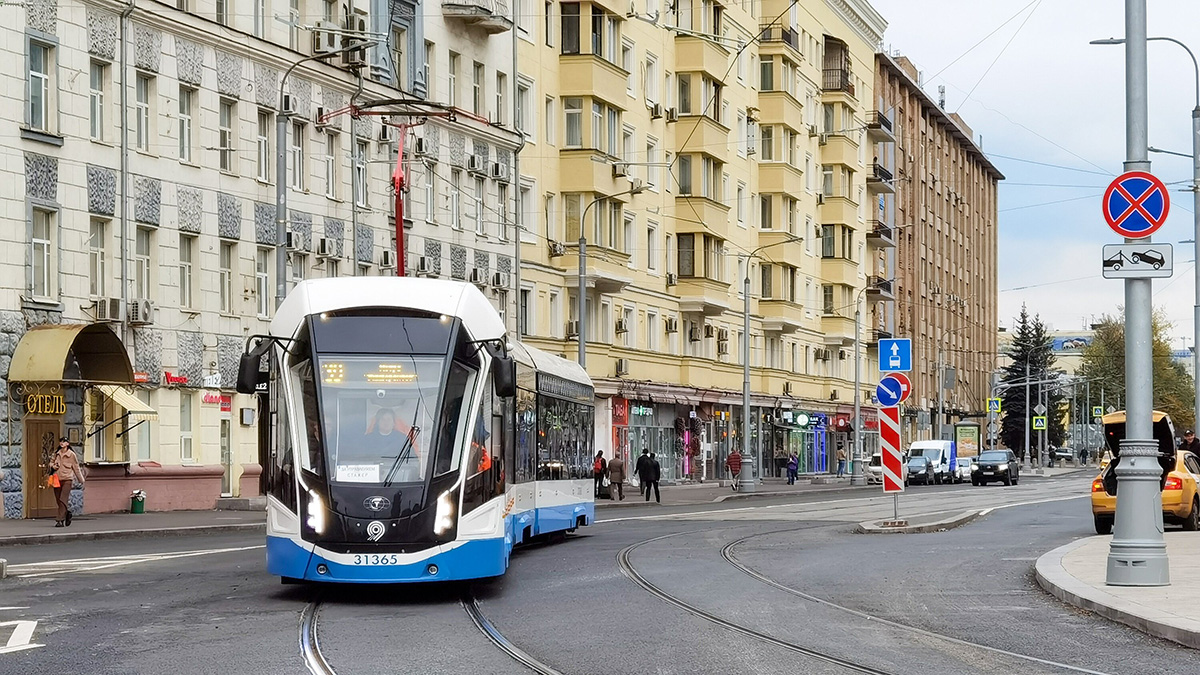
<point x="803" y="594"/>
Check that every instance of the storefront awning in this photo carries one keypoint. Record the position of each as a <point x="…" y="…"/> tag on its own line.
<point x="45" y="353"/>
<point x="136" y="409"/>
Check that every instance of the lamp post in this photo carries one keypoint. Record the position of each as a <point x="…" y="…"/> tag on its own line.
<point x="1195" y="157"/>
<point x="752" y="485"/>
<point x="582" y="299"/>
<point x="857" y="475"/>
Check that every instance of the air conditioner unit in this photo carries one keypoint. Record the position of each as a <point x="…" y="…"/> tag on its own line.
<point x="324" y="248"/>
<point x="672" y="324"/>
<point x="672" y="115"/>
<point x="424" y="266"/>
<point x="833" y="394"/>
<point x="722" y="348"/>
<point x="622" y="327"/>
<point x="635" y="185"/>
<point x="557" y="248"/>
<point x="500" y="171"/>
<point x="694" y="335"/>
<point x="325" y="37"/>
<point x="723" y="335"/>
<point x="478" y="276"/>
<point x="288" y="108"/>
<point x="422" y="149"/>
<point x="821" y="354"/>
<point x="293" y="240"/>
<point x="572" y="329"/>
<point x="656" y="111"/>
<point x="141" y="312"/>
<point x="787" y="388"/>
<point x="318" y="118"/>
<point x="672" y="279"/>
<point x="501" y="280"/>
<point x="387" y="259"/>
<point x="812" y="130"/>
<point x="632" y="13"/>
<point x="356" y="25"/>
<point x="385" y="131"/>
<point x="622" y="367"/>
<point x="822" y="139"/>
<point x="106" y="309"/>
<point x="841" y="354"/>
<point x="620" y="170"/>
<point x="820" y="199"/>
<point x="475" y="164"/>
<point x="710" y="330"/>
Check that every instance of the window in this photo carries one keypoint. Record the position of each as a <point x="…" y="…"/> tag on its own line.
<point x="260" y="17"/>
<point x="630" y="326"/>
<point x="627" y="240"/>
<point x="452" y="80"/>
<point x="226" y="118"/>
<point x="222" y="12"/>
<point x="652" y="331"/>
<point x="652" y="247"/>
<point x="262" y="281"/>
<point x="550" y="115"/>
<point x="711" y="172"/>
<point x="427" y="71"/>
<point x="766" y="80"/>
<point x="741" y="204"/>
<point x="523" y="322"/>
<point x="41" y="65"/>
<point x="360" y="172"/>
<point x="296" y="156"/>
<point x="187" y="254"/>
<point x="455" y="193"/>
<point x="186" y="400"/>
<point x="685" y="94"/>
<point x="43" y="269"/>
<point x="767" y="150"/>
<point x="789" y="211"/>
<point x="524" y="110"/>
<point x="765" y="212"/>
<point x="477" y="72"/>
<point x="808" y="177"/>
<point x="331" y="268"/>
<point x="480" y="223"/>
<point x="684" y="170"/>
<point x="97" y="257"/>
<point x="827" y="180"/>
<point x="141" y="263"/>
<point x="556" y="318"/>
<point x="225" y="275"/>
<point x="502" y="210"/>
<point x="827" y="241"/>
<point x="430" y="196"/>
<point x="765" y="289"/>
<point x="652" y="173"/>
<point x="687" y="254"/>
<point x="714" y="258"/>
<point x="827" y="298"/>
<point x="98" y="85"/>
<point x="143" y="93"/>
<point x="399" y="57"/>
<point x="264" y="146"/>
<point x="294" y="24"/>
<point x="651" y="83"/>
<point x="187" y="99"/>
<point x="570" y="27"/>
<point x="501" y="98"/>
<point x="613" y="129"/>
<point x="627" y="64"/>
<point x="597" y="139"/>
<point x="573" y="114"/>
<point x="297" y="268"/>
<point x="331" y="163"/>
<point x="550" y="217"/>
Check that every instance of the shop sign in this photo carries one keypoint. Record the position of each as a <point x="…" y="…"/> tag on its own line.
<point x="212" y="380"/>
<point x="141" y="377"/>
<point x="174" y="379"/>
<point x="226" y="406"/>
<point x="45" y="404"/>
<point x="642" y="410"/>
<point x="212" y="397"/>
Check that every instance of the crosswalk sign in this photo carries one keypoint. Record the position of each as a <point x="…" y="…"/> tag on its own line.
<point x="1039" y="423"/>
<point x="1097" y="411"/>
<point x="994" y="405"/>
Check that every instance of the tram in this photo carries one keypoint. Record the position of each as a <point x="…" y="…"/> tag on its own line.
<point x="404" y="437"/>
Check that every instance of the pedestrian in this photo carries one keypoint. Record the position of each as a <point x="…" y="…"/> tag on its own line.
<point x="1190" y="443"/>
<point x="66" y="470"/>
<point x="638" y="469"/>
<point x="652" y="473"/>
<point x="598" y="469"/>
<point x="793" y="467"/>
<point x="616" y="476"/>
<point x="734" y="463"/>
<point x="1083" y="453"/>
<point x="841" y="462"/>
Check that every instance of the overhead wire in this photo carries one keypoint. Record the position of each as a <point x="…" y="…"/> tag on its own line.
<point x="1002" y="50"/>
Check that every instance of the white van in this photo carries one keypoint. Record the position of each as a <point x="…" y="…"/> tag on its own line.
<point x="941" y="456"/>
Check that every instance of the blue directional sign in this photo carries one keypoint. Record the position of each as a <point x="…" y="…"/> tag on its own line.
<point x="895" y="355"/>
<point x="889" y="392"/>
<point x="1136" y="204"/>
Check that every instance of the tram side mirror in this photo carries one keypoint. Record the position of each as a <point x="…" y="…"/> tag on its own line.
<point x="249" y="375"/>
<point x="504" y="376"/>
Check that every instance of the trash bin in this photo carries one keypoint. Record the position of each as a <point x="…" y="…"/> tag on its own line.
<point x="137" y="501"/>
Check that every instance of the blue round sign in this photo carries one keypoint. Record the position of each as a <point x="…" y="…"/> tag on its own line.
<point x="1136" y="204"/>
<point x="889" y="392"/>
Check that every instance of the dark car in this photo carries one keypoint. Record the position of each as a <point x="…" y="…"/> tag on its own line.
<point x="1000" y="465"/>
<point x="920" y="470"/>
<point x="1153" y="258"/>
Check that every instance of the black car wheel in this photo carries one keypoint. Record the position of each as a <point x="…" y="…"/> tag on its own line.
<point x="1008" y="480"/>
<point x="1104" y="524"/>
<point x="974" y="482"/>
<point x="1192" y="522"/>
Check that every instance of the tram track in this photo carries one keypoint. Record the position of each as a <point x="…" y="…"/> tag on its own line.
<point x="310" y="646"/>
<point x="471" y="605"/>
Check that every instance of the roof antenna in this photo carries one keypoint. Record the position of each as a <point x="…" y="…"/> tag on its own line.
<point x="942" y="96"/>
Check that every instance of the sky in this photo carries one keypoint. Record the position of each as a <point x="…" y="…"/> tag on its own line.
<point x="1039" y="92"/>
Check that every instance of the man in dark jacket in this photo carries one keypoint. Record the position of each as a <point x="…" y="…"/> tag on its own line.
<point x="638" y="469"/>
<point x="616" y="477"/>
<point x="650" y="475"/>
<point x="1190" y="443"/>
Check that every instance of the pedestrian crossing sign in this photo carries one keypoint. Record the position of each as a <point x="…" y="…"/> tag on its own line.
<point x="994" y="405"/>
<point x="1097" y="411"/>
<point x="1039" y="423"/>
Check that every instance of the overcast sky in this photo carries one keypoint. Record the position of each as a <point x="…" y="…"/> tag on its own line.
<point x="1050" y="97"/>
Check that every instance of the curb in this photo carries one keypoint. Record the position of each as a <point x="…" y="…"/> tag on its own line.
<point x="752" y="495"/>
<point x="25" y="540"/>
<point x="1055" y="580"/>
<point x="870" y="527"/>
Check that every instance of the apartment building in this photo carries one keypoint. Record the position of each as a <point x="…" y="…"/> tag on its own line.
<point x="678" y="149"/>
<point x="945" y="255"/>
<point x="143" y="247"/>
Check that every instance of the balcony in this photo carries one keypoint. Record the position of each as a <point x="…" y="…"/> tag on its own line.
<point x="780" y="107"/>
<point x="701" y="295"/>
<point x="776" y="34"/>
<point x="693" y="53"/>
<point x="879" y="128"/>
<point x="881" y="234"/>
<point x="838" y="328"/>
<point x="607" y="269"/>
<point x="493" y="16"/>
<point x="780" y="177"/>
<point x="703" y="134"/>
<point x="880" y="290"/>
<point x="840" y="271"/>
<point x="837" y="80"/>
<point x="581" y="172"/>
<point x="781" y="246"/>
<point x="879" y="180"/>
<point x="837" y="209"/>
<point x="591" y="75"/>
<point x="880" y="334"/>
<point x="839" y="148"/>
<point x="780" y="316"/>
<point x="701" y="215"/>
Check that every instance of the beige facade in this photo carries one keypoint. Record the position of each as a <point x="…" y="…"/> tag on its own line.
<point x="946" y="255"/>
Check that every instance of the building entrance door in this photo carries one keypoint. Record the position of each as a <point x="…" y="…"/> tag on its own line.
<point x="226" y="460"/>
<point x="41" y="438"/>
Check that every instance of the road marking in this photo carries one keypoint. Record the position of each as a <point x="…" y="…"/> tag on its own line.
<point x="53" y="567"/>
<point x="4" y="608"/>
<point x="21" y="636"/>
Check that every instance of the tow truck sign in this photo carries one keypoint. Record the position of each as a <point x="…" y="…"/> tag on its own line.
<point x="1137" y="261"/>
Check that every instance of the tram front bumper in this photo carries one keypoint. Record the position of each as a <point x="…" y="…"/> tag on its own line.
<point x="457" y="561"/>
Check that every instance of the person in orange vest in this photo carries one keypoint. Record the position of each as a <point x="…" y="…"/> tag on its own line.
<point x="599" y="467"/>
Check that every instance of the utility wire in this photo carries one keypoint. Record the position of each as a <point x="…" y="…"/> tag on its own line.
<point x="1002" y="50"/>
<point x="984" y="39"/>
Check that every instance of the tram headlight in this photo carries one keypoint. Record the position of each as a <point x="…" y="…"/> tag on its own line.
<point x="443" y="518"/>
<point x="316" y="512"/>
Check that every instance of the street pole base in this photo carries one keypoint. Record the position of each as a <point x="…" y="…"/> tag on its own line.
<point x="858" y="480"/>
<point x="746" y="487"/>
<point x="1140" y="567"/>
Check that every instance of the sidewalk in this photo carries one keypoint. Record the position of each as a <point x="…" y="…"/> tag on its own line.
<point x="1075" y="574"/>
<point x="124" y="525"/>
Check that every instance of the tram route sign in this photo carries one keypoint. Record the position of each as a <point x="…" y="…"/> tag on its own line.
<point x="1136" y="204"/>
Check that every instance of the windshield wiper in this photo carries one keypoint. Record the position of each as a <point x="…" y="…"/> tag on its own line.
<point x="402" y="455"/>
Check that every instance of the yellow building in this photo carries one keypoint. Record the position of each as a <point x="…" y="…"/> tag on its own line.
<point x="685" y="148"/>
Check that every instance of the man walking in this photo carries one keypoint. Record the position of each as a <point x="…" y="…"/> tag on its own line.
<point x="734" y="463"/>
<point x="841" y="462"/>
<point x="616" y="476"/>
<point x="649" y="474"/>
<point x="639" y="469"/>
<point x="598" y="469"/>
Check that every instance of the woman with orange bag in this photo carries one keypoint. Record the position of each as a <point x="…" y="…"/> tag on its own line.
<point x="65" y="466"/>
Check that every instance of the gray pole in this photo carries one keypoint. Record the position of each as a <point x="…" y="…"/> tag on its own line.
<point x="751" y="485"/>
<point x="1137" y="555"/>
<point x="941" y="388"/>
<point x="1028" y="421"/>
<point x="856" y="475"/>
<point x="281" y="122"/>
<point x="1196" y="244"/>
<point x="582" y="299"/>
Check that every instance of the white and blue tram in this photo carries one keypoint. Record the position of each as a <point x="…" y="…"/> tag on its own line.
<point x="404" y="438"/>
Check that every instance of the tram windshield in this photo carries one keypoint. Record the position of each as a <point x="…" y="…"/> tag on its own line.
<point x="381" y="417"/>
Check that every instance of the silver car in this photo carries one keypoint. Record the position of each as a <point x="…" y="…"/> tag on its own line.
<point x="962" y="469"/>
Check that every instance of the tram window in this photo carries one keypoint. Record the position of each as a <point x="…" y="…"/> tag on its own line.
<point x="526" y="443"/>
<point x="459" y="383"/>
<point x="303" y="380"/>
<point x="480" y="484"/>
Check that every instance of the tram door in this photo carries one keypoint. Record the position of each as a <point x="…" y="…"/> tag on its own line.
<point x="41" y="438"/>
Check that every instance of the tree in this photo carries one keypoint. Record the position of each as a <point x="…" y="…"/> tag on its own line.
<point x="1104" y="364"/>
<point x="1032" y="360"/>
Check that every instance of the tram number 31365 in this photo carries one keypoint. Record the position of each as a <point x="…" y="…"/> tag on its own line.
<point x="376" y="559"/>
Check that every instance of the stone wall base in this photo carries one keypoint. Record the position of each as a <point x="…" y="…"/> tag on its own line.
<point x="168" y="488"/>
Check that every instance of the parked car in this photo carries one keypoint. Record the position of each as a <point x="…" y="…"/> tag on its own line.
<point x="998" y="465"/>
<point x="1180" y="501"/>
<point x="940" y="455"/>
<point x="921" y="470"/>
<point x="962" y="468"/>
<point x="875" y="470"/>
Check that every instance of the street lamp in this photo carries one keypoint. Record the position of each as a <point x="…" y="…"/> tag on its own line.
<point x="752" y="485"/>
<point x="1195" y="156"/>
<point x="941" y="377"/>
<point x="638" y="188"/>
<point x="857" y="475"/>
